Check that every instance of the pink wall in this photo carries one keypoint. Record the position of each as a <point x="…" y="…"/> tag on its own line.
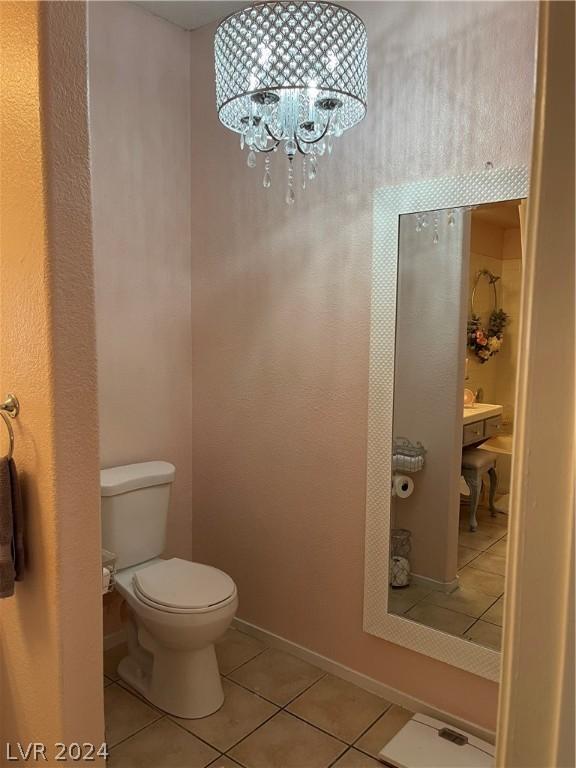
<point x="280" y="318"/>
<point x="140" y="145"/>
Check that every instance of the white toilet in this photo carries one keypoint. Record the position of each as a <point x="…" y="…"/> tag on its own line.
<point x="178" y="609"/>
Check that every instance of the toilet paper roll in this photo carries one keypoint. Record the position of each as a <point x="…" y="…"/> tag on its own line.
<point x="402" y="486"/>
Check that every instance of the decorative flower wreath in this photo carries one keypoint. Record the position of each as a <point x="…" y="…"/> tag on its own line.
<point x="486" y="343"/>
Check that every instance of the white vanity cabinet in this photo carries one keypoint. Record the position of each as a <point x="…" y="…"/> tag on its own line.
<point x="481" y="421"/>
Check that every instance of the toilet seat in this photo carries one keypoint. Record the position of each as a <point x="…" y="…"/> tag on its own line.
<point x="179" y="586"/>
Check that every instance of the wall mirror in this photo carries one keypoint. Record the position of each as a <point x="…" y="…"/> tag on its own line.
<point x="447" y="274"/>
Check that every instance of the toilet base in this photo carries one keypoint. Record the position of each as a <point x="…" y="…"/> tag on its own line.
<point x="184" y="684"/>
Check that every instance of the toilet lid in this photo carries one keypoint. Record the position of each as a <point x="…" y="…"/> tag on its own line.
<point x="181" y="584"/>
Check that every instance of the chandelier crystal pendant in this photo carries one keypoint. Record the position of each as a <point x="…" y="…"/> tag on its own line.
<point x="290" y="77"/>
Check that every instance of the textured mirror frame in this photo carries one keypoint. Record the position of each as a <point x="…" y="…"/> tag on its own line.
<point x="488" y="186"/>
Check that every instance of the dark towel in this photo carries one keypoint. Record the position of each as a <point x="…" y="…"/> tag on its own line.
<point x="11" y="528"/>
<point x="18" y="521"/>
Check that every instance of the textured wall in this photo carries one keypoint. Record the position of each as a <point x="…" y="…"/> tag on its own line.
<point x="499" y="250"/>
<point x="50" y="630"/>
<point x="139" y="126"/>
<point x="280" y="310"/>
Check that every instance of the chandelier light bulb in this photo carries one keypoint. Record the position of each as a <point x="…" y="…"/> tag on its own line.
<point x="291" y="76"/>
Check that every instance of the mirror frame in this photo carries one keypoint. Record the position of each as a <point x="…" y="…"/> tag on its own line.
<point x="389" y="203"/>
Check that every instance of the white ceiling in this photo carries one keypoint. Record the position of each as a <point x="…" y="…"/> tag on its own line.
<point x="191" y="14"/>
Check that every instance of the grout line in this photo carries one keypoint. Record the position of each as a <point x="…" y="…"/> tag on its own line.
<point x="334" y="762"/>
<point x="243" y="664"/>
<point x="144" y="727"/>
<point x="254" y="693"/>
<point x="235" y="759"/>
<point x="137" y="695"/>
<point x="317" y="727"/>
<point x="228" y="757"/>
<point x="476" y="556"/>
<point x="260" y="725"/>
<point x="388" y="740"/>
<point x="200" y="738"/>
<point x="368" y="754"/>
<point x="270" y="701"/>
<point x="490" y="606"/>
<point x="468" y="630"/>
<point x="283" y="708"/>
<point x="487" y="621"/>
<point x="304" y="690"/>
<point x="372" y="724"/>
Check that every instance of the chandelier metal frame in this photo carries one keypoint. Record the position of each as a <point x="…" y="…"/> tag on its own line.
<point x="292" y="75"/>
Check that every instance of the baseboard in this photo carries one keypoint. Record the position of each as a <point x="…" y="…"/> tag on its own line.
<point x="114" y="639"/>
<point x="439" y="586"/>
<point x="363" y="681"/>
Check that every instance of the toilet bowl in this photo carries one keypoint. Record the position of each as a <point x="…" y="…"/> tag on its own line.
<point x="172" y="661"/>
<point x="177" y="609"/>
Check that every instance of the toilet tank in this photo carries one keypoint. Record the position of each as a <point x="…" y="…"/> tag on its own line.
<point x="134" y="506"/>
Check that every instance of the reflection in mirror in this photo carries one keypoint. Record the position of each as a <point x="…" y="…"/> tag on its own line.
<point x="458" y="305"/>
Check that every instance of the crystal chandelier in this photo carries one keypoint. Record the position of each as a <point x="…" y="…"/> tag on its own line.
<point x="290" y="77"/>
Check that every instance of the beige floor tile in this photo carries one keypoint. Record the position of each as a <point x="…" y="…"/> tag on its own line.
<point x="494" y="614"/>
<point x="500" y="548"/>
<point x="383" y="730"/>
<point x="355" y="759"/>
<point x="339" y="707"/>
<point x="277" y="676"/>
<point x="491" y="563"/>
<point x="485" y="516"/>
<point x="501" y="520"/>
<point x="465" y="555"/>
<point x="463" y="600"/>
<point x="481" y="581"/>
<point x="398" y="603"/>
<point x="476" y="540"/>
<point x="240" y="714"/>
<point x="286" y="742"/>
<point x="486" y="634"/>
<point x="134" y="692"/>
<point x="125" y="714"/>
<point x="162" y="745"/>
<point x="112" y="658"/>
<point x="235" y="649"/>
<point x="440" y="618"/>
<point x="401" y="600"/>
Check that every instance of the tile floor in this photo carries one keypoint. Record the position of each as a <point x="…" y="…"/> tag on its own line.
<point x="279" y="712"/>
<point x="474" y="610"/>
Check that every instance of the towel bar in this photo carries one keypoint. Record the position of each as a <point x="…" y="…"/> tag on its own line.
<point x="9" y="409"/>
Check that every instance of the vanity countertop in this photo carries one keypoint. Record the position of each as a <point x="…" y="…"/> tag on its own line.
<point x="481" y="411"/>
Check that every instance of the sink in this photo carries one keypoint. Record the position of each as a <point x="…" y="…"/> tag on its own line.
<point x="481" y="411"/>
